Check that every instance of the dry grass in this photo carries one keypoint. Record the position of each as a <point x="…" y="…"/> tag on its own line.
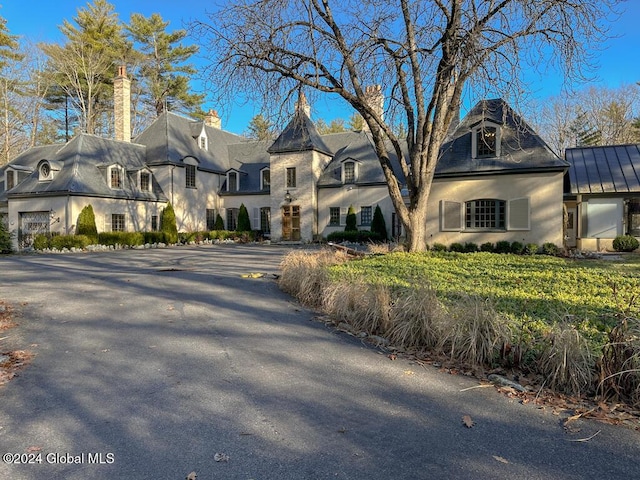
<point x="304" y="275"/>
<point x="418" y="318"/>
<point x="475" y="333"/>
<point x="566" y="360"/>
<point x="620" y="363"/>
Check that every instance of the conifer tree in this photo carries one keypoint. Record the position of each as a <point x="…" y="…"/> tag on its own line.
<point x="244" y="224"/>
<point x="86" y="224"/>
<point x="168" y="224"/>
<point x="352" y="220"/>
<point x="378" y="225"/>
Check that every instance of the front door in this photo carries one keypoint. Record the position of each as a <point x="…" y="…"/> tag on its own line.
<point x="291" y="222"/>
<point x="571" y="227"/>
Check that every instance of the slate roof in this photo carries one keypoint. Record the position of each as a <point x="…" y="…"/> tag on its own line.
<point x="81" y="168"/>
<point x="608" y="169"/>
<point x="299" y="135"/>
<point x="248" y="158"/>
<point x="521" y="148"/>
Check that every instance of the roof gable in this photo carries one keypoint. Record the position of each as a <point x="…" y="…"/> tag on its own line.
<point x="299" y="135"/>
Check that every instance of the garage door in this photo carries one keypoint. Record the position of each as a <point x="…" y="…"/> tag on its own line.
<point x="31" y="224"/>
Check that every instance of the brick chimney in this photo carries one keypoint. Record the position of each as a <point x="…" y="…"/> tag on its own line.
<point x="212" y="119"/>
<point x="375" y="99"/>
<point x="122" y="105"/>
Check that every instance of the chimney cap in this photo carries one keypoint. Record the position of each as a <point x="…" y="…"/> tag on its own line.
<point x="122" y="70"/>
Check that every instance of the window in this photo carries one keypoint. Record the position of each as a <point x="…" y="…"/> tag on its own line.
<point x="145" y="181"/>
<point x="349" y="172"/>
<point x="485" y="214"/>
<point x="115" y="177"/>
<point x="154" y="223"/>
<point x="365" y="215"/>
<point x="45" y="170"/>
<point x="203" y="142"/>
<point x="232" y="218"/>
<point x="265" y="220"/>
<point x="334" y="216"/>
<point x="291" y="177"/>
<point x="211" y="219"/>
<point x="117" y="222"/>
<point x="485" y="140"/>
<point x="190" y="176"/>
<point x="265" y="180"/>
<point x="232" y="182"/>
<point x="11" y="180"/>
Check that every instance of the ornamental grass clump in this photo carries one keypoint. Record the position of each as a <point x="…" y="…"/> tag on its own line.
<point x="566" y="361"/>
<point x="619" y="376"/>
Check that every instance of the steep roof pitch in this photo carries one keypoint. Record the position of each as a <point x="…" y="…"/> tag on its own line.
<point x="299" y="135"/>
<point x="83" y="162"/>
<point x="521" y="147"/>
<point x="608" y="169"/>
<point x="171" y="138"/>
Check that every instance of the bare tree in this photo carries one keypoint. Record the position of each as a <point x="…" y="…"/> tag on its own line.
<point x="424" y="53"/>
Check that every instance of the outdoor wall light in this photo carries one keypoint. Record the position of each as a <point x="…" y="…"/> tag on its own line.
<point x="287" y="197"/>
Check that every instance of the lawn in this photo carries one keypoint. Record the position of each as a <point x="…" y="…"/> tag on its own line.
<point x="540" y="289"/>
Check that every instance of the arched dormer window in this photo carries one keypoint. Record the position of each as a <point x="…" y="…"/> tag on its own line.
<point x="349" y="172"/>
<point x="232" y="181"/>
<point x="115" y="177"/>
<point x="485" y="140"/>
<point x="144" y="180"/>
<point x="265" y="179"/>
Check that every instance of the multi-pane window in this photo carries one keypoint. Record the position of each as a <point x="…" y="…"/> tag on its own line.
<point x="145" y="181"/>
<point x="486" y="141"/>
<point x="190" y="176"/>
<point x="11" y="180"/>
<point x="485" y="214"/>
<point x="365" y="215"/>
<point x="154" y="223"/>
<point x="115" y="177"/>
<point x="265" y="220"/>
<point x="266" y="179"/>
<point x="232" y="182"/>
<point x="117" y="222"/>
<point x="211" y="219"/>
<point x="334" y="216"/>
<point x="291" y="177"/>
<point x="349" y="172"/>
<point x="232" y="218"/>
<point x="203" y="142"/>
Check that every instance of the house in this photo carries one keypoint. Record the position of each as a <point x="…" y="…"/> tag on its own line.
<point x="602" y="195"/>
<point x="495" y="180"/>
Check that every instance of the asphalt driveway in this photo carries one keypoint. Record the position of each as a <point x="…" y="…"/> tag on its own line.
<point x="154" y="364"/>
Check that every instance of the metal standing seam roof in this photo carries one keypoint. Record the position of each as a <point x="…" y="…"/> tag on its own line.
<point x="606" y="169"/>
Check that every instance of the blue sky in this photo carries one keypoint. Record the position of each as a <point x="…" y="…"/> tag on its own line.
<point x="38" y="20"/>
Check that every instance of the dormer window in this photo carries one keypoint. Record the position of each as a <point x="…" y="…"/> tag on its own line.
<point x="144" y="180"/>
<point x="349" y="172"/>
<point x="265" y="179"/>
<point x="45" y="172"/>
<point x="202" y="141"/>
<point x="10" y="179"/>
<point x="116" y="176"/>
<point x="232" y="181"/>
<point x="486" y="141"/>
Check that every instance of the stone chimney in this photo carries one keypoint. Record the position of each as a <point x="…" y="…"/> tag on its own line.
<point x="122" y="105"/>
<point x="212" y="119"/>
<point x="302" y="105"/>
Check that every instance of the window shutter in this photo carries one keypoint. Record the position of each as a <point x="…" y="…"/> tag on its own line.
<point x="256" y="218"/>
<point x="343" y="215"/>
<point x="450" y="216"/>
<point x="107" y="222"/>
<point x="518" y="214"/>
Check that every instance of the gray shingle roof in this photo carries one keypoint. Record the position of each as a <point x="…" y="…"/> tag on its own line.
<point x="609" y="169"/>
<point x="299" y="135"/>
<point x="521" y="148"/>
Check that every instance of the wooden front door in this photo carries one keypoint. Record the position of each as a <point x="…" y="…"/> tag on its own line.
<point x="291" y="222"/>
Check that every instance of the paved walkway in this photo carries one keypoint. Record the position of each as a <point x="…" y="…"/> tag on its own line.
<point x="149" y="363"/>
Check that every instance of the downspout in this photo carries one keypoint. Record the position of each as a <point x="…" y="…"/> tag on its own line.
<point x="67" y="214"/>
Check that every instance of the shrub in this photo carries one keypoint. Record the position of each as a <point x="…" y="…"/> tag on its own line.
<point x="358" y="236"/>
<point x="70" y="241"/>
<point x="439" y="247"/>
<point x="456" y="247"/>
<point x="6" y="246"/>
<point x="625" y="243"/>
<point x="352" y="220"/>
<point x="503" y="247"/>
<point x="168" y="224"/>
<point x="530" y="249"/>
<point x="470" y="247"/>
<point x="244" y="224"/>
<point x="153" y="237"/>
<point x="517" y="248"/>
<point x="487" y="247"/>
<point x="42" y="241"/>
<point x="188" y="237"/>
<point x="86" y="223"/>
<point x="550" y="248"/>
<point x="219" y="225"/>
<point x="124" y="239"/>
<point x="378" y="224"/>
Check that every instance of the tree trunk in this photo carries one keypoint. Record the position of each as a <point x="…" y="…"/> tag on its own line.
<point x="416" y="230"/>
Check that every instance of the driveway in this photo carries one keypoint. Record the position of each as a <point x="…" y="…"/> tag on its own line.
<point x="153" y="364"/>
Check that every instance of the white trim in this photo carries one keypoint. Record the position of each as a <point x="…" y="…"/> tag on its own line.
<point x="474" y="137"/>
<point x="122" y="176"/>
<point x="262" y="170"/>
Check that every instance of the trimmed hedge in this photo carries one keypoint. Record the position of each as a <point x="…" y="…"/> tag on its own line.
<point x="124" y="239"/>
<point x="359" y="236"/>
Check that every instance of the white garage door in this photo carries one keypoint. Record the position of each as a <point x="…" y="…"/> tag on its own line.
<point x="31" y="224"/>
